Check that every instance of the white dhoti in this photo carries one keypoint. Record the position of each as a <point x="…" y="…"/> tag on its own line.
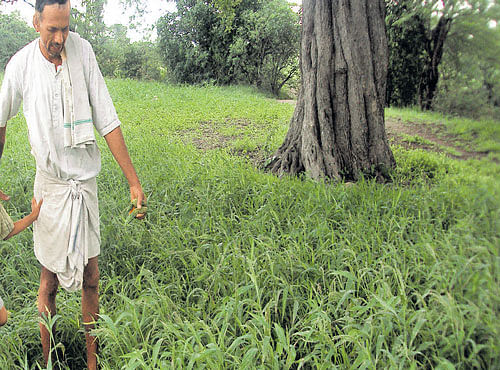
<point x="66" y="233"/>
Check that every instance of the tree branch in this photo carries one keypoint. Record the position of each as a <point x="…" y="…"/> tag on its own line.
<point x="13" y="1"/>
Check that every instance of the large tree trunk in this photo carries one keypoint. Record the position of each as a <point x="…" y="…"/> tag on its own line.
<point x="337" y="130"/>
<point x="430" y="75"/>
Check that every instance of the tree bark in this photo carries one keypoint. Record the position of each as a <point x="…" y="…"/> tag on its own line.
<point x="430" y="75"/>
<point x="338" y="130"/>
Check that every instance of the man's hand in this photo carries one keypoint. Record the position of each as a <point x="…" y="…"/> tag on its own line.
<point x="4" y="196"/>
<point x="137" y="193"/>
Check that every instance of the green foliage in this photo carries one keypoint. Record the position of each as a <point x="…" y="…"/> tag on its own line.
<point x="193" y="44"/>
<point x="111" y="60"/>
<point x="418" y="165"/>
<point x="139" y="60"/>
<point x="406" y="39"/>
<point x="235" y="268"/>
<point x="116" y="55"/>
<point x="252" y="42"/>
<point x="15" y="33"/>
<point x="468" y="78"/>
<point x="227" y="10"/>
<point x="265" y="48"/>
<point x="89" y="23"/>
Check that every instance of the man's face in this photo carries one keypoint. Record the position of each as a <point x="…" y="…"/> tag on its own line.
<point x="53" y="25"/>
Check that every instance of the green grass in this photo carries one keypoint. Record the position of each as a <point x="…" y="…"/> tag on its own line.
<point x="235" y="268"/>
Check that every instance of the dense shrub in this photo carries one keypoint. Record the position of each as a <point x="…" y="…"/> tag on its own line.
<point x="256" y="45"/>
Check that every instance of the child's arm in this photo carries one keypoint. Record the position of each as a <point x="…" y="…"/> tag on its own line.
<point x="3" y="196"/>
<point x="3" y="313"/>
<point x="26" y="221"/>
<point x="3" y="316"/>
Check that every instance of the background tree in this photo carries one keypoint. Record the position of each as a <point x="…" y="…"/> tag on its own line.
<point x="429" y="25"/>
<point x="116" y="54"/>
<point x="89" y="23"/>
<point x="265" y="47"/>
<point x="406" y="39"/>
<point x="14" y="1"/>
<point x="470" y="70"/>
<point x="227" y="10"/>
<point x="14" y="34"/>
<point x="253" y="42"/>
<point x="189" y="41"/>
<point x="337" y="130"/>
<point x="114" y="44"/>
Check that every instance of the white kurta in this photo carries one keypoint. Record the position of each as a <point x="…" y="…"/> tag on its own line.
<point x="33" y="80"/>
<point x="66" y="233"/>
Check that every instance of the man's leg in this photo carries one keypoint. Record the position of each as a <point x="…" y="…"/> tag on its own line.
<point x="46" y="306"/>
<point x="90" y="308"/>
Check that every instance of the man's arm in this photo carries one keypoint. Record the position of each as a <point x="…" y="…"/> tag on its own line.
<point x="104" y="117"/>
<point x="116" y="144"/>
<point x="10" y="96"/>
<point x="10" y="99"/>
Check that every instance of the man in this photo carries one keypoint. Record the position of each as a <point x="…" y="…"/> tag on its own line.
<point x="65" y="98"/>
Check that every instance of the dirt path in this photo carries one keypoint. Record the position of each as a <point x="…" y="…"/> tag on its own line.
<point x="432" y="137"/>
<point x="411" y="135"/>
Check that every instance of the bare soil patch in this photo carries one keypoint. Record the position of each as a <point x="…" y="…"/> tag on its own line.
<point x="289" y="101"/>
<point x="435" y="138"/>
<point x="210" y="138"/>
<point x="411" y="135"/>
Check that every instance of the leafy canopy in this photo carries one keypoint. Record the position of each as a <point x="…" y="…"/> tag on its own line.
<point x="416" y="46"/>
<point x="238" y="41"/>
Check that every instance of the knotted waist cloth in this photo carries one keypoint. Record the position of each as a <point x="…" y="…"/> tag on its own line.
<point x="66" y="234"/>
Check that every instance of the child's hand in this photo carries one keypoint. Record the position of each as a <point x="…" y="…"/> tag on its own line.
<point x="4" y="196"/>
<point x="35" y="207"/>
